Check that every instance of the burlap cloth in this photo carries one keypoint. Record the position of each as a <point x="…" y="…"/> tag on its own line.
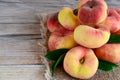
<point x="59" y="73"/>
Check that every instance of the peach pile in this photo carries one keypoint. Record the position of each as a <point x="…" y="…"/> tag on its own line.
<point x="86" y="35"/>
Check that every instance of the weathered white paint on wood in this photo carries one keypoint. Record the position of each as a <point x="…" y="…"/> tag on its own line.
<point x="19" y="45"/>
<point x="20" y="51"/>
<point x="14" y="19"/>
<point x="20" y="57"/>
<point x="9" y="29"/>
<point x="22" y="72"/>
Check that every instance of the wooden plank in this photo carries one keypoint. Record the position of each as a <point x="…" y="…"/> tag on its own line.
<point x="21" y="20"/>
<point x="57" y="2"/>
<point x="13" y="37"/>
<point x="38" y="1"/>
<point x="22" y="72"/>
<point x="18" y="51"/>
<point x="17" y="13"/>
<point x="28" y="1"/>
<point x="21" y="13"/>
<point x="10" y="44"/>
<point x="14" y="9"/>
<point x="41" y="1"/>
<point x="29" y="9"/>
<point x="20" y="57"/>
<point x="26" y="12"/>
<point x="9" y="29"/>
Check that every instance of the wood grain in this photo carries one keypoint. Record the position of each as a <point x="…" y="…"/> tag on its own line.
<point x="19" y="57"/>
<point x="19" y="45"/>
<point x="9" y="29"/>
<point x="22" y="72"/>
<point x="20" y="51"/>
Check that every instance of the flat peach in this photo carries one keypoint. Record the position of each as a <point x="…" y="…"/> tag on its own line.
<point x="67" y="18"/>
<point x="91" y="37"/>
<point x="92" y="12"/>
<point x="59" y="40"/>
<point x="53" y="23"/>
<point x="113" y="20"/>
<point x="80" y="62"/>
<point x="109" y="52"/>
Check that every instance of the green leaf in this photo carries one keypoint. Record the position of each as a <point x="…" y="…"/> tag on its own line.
<point x="56" y="63"/>
<point x="106" y="66"/>
<point x="54" y="55"/>
<point x="114" y="38"/>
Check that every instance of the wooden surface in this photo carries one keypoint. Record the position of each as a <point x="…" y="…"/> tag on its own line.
<point x="19" y="36"/>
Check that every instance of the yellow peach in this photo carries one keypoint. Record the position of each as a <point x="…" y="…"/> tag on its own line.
<point x="91" y="37"/>
<point x="80" y="62"/>
<point x="67" y="18"/>
<point x="109" y="52"/>
<point x="53" y="23"/>
<point x="59" y="40"/>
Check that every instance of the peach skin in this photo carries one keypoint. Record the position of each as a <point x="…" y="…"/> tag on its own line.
<point x="93" y="12"/>
<point x="59" y="40"/>
<point x="109" y="52"/>
<point x="67" y="18"/>
<point x="80" y="62"/>
<point x="113" y="20"/>
<point x="53" y="23"/>
<point x="91" y="37"/>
